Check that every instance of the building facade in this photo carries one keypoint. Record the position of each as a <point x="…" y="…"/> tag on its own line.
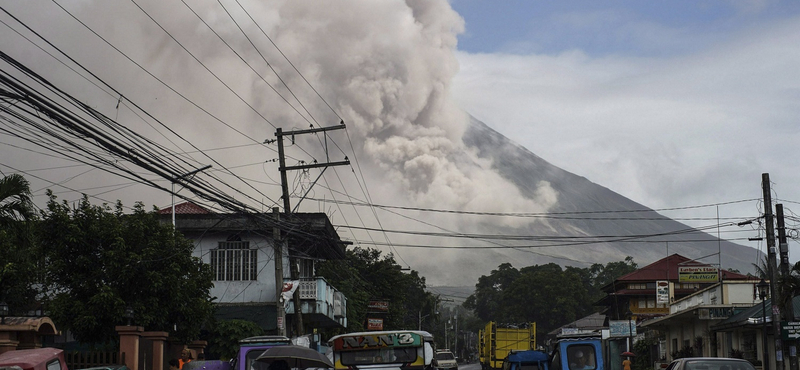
<point x="243" y="251"/>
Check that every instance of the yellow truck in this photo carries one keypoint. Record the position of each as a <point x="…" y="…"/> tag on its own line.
<point x="496" y="340"/>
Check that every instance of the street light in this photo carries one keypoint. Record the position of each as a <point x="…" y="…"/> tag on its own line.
<point x="763" y="289"/>
<point x="128" y="314"/>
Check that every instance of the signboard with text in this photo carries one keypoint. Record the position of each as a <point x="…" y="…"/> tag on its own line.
<point x="374" y="324"/>
<point x="790" y="330"/>
<point x="698" y="274"/>
<point x="622" y="328"/>
<point x="379" y="306"/>
<point x="662" y="292"/>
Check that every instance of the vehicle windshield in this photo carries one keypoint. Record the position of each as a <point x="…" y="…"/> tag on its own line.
<point x="581" y="357"/>
<point x="714" y="364"/>
<point x="251" y="363"/>
<point x="445" y="356"/>
<point x="379" y="356"/>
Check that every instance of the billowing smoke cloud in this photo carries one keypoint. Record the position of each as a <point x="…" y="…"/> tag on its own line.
<point x="388" y="65"/>
<point x="385" y="67"/>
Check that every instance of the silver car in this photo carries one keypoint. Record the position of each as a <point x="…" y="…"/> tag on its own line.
<point x="445" y="360"/>
<point x="710" y="363"/>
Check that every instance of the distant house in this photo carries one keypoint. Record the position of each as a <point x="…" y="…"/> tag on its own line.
<point x="241" y="250"/>
<point x="635" y="294"/>
<point x="647" y="294"/>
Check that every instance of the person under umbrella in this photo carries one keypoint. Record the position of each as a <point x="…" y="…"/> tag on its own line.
<point x="626" y="363"/>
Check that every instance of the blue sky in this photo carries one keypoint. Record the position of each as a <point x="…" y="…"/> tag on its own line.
<point x="640" y="28"/>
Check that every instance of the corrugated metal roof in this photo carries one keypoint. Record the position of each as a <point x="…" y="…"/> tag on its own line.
<point x="185" y="208"/>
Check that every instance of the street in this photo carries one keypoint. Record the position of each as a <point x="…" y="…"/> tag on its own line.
<point x="475" y="365"/>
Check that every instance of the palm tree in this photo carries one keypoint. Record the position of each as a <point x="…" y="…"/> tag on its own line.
<point x="762" y="269"/>
<point x="790" y="285"/>
<point x="15" y="200"/>
<point x="17" y="251"/>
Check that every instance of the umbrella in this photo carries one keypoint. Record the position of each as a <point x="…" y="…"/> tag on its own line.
<point x="295" y="356"/>
<point x="627" y="354"/>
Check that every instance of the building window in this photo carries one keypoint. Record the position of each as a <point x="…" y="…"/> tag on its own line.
<point x="234" y="261"/>
<point x="637" y="286"/>
<point x="306" y="268"/>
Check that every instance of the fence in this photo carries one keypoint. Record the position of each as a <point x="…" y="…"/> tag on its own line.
<point x="82" y="360"/>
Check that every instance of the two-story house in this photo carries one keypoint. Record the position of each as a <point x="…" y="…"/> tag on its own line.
<point x="637" y="294"/>
<point x="241" y="250"/>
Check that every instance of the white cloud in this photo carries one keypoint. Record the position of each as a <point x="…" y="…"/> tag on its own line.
<point x="663" y="131"/>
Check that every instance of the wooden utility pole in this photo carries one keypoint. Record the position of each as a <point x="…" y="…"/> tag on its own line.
<point x="287" y="210"/>
<point x="772" y="270"/>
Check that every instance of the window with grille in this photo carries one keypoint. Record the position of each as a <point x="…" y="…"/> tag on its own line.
<point x="306" y="268"/>
<point x="234" y="261"/>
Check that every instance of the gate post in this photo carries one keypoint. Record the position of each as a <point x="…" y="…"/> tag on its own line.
<point x="158" y="338"/>
<point x="129" y="345"/>
<point x="198" y="347"/>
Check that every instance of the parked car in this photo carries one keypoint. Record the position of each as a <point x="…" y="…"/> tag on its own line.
<point x="34" y="359"/>
<point x="445" y="360"/>
<point x="710" y="363"/>
<point x="108" y="367"/>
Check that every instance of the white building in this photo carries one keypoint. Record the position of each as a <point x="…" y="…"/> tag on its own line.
<point x="709" y="322"/>
<point x="242" y="253"/>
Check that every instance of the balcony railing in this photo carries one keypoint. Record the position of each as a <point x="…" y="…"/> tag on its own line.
<point x="322" y="300"/>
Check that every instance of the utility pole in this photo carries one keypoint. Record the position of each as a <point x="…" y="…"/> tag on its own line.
<point x="455" y="336"/>
<point x="772" y="270"/>
<point x="278" y="251"/>
<point x="783" y="247"/>
<point x="279" y="134"/>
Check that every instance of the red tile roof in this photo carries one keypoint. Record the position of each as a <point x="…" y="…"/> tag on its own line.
<point x="185" y="208"/>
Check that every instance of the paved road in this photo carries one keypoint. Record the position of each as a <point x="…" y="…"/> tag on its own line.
<point x="473" y="366"/>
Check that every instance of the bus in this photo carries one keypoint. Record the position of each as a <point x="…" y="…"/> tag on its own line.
<point x="396" y="349"/>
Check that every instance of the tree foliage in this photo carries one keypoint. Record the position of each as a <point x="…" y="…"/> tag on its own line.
<point x="18" y="253"/>
<point x="101" y="261"/>
<point x="367" y="275"/>
<point x="546" y="294"/>
<point x="224" y="343"/>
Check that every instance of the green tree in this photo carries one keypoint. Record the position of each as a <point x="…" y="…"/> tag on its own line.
<point x="548" y="294"/>
<point x="489" y="301"/>
<point x="224" y="339"/>
<point x="101" y="261"/>
<point x="18" y="255"/>
<point x="367" y="275"/>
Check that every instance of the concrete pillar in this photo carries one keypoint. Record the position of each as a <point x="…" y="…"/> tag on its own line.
<point x="129" y="345"/>
<point x="197" y="347"/>
<point x="159" y="339"/>
<point x="8" y="340"/>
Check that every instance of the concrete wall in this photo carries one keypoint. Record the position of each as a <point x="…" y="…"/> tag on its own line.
<point x="261" y="290"/>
